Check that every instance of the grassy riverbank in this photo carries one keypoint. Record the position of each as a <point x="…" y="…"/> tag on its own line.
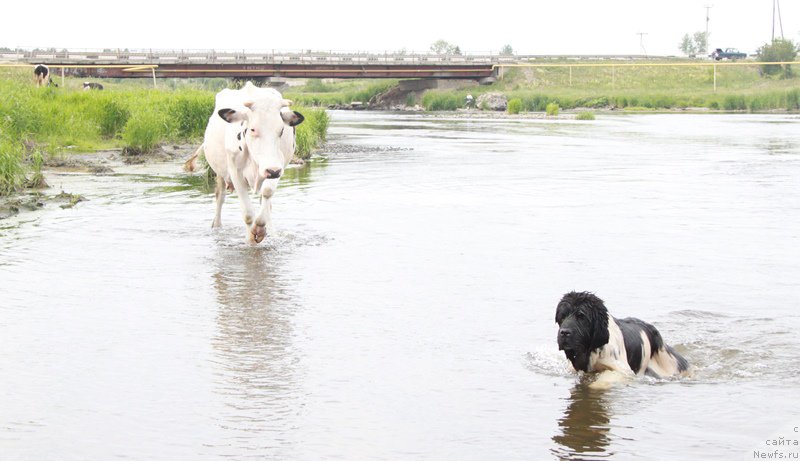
<point x="739" y="88"/>
<point x="37" y="123"/>
<point x="636" y="88"/>
<point x="317" y="92"/>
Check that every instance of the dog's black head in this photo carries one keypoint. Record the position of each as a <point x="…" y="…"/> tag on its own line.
<point x="583" y="327"/>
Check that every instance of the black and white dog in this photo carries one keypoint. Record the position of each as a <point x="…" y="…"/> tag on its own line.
<point x="594" y="341"/>
<point x="42" y="75"/>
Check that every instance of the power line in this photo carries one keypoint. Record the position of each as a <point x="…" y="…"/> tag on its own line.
<point x="708" y="18"/>
<point x="641" y="41"/>
<point x="776" y="5"/>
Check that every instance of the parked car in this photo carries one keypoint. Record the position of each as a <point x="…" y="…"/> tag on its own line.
<point x="728" y="53"/>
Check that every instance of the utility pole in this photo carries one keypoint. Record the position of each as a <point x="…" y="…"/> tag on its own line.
<point x="708" y="18"/>
<point x="641" y="42"/>
<point x="776" y="4"/>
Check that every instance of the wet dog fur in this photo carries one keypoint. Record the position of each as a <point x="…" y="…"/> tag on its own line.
<point x="595" y="341"/>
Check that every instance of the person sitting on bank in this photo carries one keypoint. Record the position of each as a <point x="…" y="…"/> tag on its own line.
<point x="469" y="102"/>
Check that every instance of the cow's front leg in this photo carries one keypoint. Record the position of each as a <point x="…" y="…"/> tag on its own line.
<point x="219" y="192"/>
<point x="263" y="223"/>
<point x="243" y="191"/>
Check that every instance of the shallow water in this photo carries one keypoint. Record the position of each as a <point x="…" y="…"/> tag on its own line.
<point x="405" y="308"/>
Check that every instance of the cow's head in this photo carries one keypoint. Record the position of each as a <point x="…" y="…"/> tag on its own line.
<point x="262" y="126"/>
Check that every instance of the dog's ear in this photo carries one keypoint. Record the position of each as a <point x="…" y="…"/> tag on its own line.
<point x="561" y="311"/>
<point x="599" y="320"/>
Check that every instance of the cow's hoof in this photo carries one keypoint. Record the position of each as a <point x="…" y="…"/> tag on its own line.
<point x="257" y="233"/>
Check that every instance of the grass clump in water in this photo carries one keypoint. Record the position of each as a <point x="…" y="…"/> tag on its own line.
<point x="312" y="132"/>
<point x="12" y="170"/>
<point x="36" y="181"/>
<point x="552" y="109"/>
<point x="142" y="133"/>
<point x="514" y="106"/>
<point x="433" y="101"/>
<point x="585" y="116"/>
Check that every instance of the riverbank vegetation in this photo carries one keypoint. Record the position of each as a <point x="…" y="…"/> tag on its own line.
<point x="37" y="123"/>
<point x="681" y="84"/>
<point x="739" y="88"/>
<point x="317" y="92"/>
<point x="675" y="84"/>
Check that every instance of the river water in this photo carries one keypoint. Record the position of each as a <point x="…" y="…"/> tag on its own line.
<point x="405" y="309"/>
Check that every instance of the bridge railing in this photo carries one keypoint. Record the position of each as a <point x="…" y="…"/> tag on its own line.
<point x="200" y="56"/>
<point x="238" y="56"/>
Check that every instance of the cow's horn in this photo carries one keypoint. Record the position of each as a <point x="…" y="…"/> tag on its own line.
<point x="286" y="103"/>
<point x="249" y="104"/>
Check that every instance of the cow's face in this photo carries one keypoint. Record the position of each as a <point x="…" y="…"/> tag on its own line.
<point x="262" y="129"/>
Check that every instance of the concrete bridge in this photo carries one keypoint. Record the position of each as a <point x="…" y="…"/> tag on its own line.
<point x="253" y="64"/>
<point x="272" y="64"/>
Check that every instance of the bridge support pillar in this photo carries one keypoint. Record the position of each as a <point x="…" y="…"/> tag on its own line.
<point x="418" y="85"/>
<point x="279" y="83"/>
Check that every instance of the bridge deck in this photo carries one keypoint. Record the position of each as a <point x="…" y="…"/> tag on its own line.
<point x="254" y="64"/>
<point x="278" y="70"/>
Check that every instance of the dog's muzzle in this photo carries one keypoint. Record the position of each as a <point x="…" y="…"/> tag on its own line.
<point x="564" y="339"/>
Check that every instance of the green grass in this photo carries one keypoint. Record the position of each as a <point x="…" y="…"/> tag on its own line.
<point x="514" y="106"/>
<point x="312" y="132"/>
<point x="35" y="120"/>
<point x="112" y="117"/>
<point x="143" y="132"/>
<point x="739" y="88"/>
<point x="318" y="94"/>
<point x="438" y="100"/>
<point x="36" y="179"/>
<point x="552" y="109"/>
<point x="91" y="120"/>
<point x="585" y="116"/>
<point x="12" y="170"/>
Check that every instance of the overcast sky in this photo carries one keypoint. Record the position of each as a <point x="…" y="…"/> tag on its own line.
<point x="530" y="27"/>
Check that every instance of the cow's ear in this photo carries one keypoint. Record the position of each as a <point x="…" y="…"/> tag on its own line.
<point x="292" y="118"/>
<point x="230" y="115"/>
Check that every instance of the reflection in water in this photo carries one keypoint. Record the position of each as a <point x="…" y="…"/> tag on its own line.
<point x="778" y="146"/>
<point x="302" y="175"/>
<point x="396" y="336"/>
<point x="254" y="349"/>
<point x="584" y="426"/>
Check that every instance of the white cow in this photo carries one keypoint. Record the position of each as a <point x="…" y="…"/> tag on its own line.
<point x="249" y="141"/>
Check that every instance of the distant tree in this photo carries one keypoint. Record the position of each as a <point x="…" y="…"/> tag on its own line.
<point x="507" y="50"/>
<point x="444" y="47"/>
<point x="440" y="46"/>
<point x="687" y="46"/>
<point x="779" y="50"/>
<point x="694" y="45"/>
<point x="701" y="42"/>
